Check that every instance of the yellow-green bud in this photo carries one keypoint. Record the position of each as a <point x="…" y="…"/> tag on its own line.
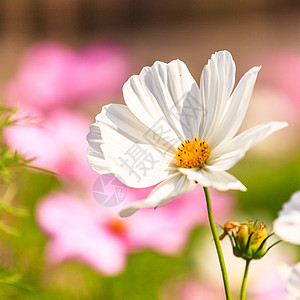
<point x="248" y="240"/>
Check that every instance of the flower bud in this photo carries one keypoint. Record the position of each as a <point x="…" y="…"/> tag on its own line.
<point x="248" y="240"/>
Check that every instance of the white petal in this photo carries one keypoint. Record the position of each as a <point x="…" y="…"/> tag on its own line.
<point x="121" y="119"/>
<point x="216" y="84"/>
<point x="94" y="153"/>
<point x="225" y="161"/>
<point x="235" y="110"/>
<point x="221" y="181"/>
<point x="227" y="155"/>
<point x="174" y="186"/>
<point x="287" y="225"/>
<point x="292" y="206"/>
<point x="292" y="284"/>
<point x="160" y="97"/>
<point x="136" y="165"/>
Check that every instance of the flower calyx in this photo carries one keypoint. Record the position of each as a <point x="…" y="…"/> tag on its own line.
<point x="248" y="239"/>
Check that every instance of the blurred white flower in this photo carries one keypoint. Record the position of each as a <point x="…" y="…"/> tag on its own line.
<point x="287" y="225"/>
<point x="174" y="132"/>
<point x="292" y="282"/>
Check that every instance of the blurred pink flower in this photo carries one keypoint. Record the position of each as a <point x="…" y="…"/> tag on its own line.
<point x="58" y="144"/>
<point x="282" y="71"/>
<point x="270" y="288"/>
<point x="52" y="75"/>
<point x="77" y="234"/>
<point x="94" y="234"/>
<point x="195" y="290"/>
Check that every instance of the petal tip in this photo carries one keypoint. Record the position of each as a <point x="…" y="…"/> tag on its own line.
<point x="256" y="69"/>
<point x="223" y="52"/>
<point x="243" y="189"/>
<point x="240" y="187"/>
<point x="128" y="211"/>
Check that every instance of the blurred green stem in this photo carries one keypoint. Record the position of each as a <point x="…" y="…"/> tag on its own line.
<point x="217" y="243"/>
<point x="244" y="282"/>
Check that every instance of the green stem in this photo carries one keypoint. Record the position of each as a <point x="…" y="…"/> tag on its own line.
<point x="243" y="288"/>
<point x="217" y="243"/>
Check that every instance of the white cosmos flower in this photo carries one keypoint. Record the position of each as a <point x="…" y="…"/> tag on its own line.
<point x="287" y="225"/>
<point x="174" y="133"/>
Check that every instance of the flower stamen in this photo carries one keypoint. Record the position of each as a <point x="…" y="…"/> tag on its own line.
<point x="192" y="153"/>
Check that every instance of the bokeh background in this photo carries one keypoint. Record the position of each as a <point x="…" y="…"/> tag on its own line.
<point x="61" y="61"/>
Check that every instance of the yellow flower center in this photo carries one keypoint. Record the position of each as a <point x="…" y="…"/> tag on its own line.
<point x="192" y="153"/>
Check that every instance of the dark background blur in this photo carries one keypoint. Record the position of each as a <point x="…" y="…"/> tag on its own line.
<point x="152" y="30"/>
